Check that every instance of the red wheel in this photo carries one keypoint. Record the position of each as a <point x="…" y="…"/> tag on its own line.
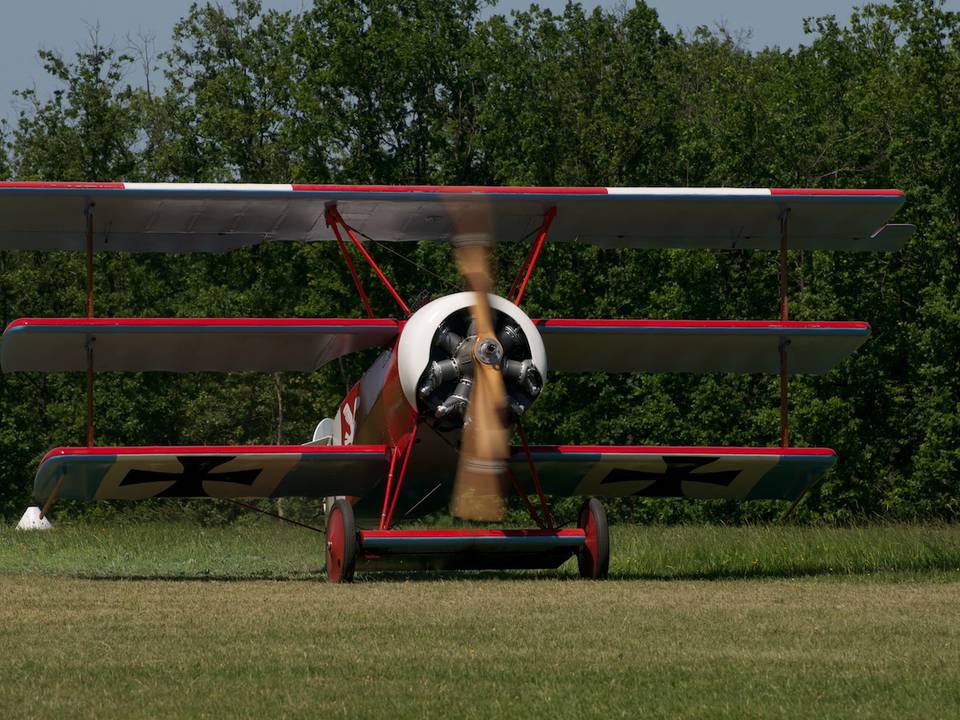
<point x="593" y="560"/>
<point x="341" y="542"/>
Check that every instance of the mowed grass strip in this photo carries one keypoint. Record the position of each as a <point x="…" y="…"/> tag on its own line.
<point x="178" y="621"/>
<point x="479" y="648"/>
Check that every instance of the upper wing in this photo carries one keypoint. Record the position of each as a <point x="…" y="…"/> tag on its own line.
<point x="188" y="344"/>
<point x="693" y="472"/>
<point x="170" y="217"/>
<point x="697" y="346"/>
<point x="137" y="473"/>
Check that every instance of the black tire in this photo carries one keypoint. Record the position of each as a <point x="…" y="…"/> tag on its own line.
<point x="341" y="542"/>
<point x="593" y="558"/>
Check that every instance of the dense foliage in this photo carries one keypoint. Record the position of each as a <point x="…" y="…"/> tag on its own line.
<point x="427" y="91"/>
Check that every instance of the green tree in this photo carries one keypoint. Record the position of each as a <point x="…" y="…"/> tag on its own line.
<point x="409" y="91"/>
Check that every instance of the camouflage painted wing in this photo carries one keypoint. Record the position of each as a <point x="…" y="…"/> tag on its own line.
<point x="138" y="473"/>
<point x="692" y="472"/>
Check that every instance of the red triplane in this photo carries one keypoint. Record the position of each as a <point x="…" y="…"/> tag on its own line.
<point x="428" y="425"/>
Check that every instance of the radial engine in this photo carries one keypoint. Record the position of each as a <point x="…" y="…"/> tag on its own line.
<point x="436" y="358"/>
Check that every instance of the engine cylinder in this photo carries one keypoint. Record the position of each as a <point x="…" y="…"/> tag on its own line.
<point x="435" y="357"/>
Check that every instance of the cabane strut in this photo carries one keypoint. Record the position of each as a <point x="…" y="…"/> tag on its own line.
<point x="526" y="269"/>
<point x="334" y="219"/>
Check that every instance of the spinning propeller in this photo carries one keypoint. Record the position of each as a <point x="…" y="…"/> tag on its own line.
<point x="478" y="490"/>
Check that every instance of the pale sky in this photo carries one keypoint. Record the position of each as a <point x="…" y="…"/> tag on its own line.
<point x="64" y="25"/>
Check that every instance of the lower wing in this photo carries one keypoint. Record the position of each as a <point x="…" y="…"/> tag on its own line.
<point x="138" y="473"/>
<point x="693" y="472"/>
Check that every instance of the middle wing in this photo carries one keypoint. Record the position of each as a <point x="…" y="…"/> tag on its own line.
<point x="697" y="346"/>
<point x="302" y="344"/>
<point x="188" y="344"/>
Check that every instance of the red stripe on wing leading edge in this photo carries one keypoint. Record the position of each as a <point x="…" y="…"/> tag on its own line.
<point x="881" y="192"/>
<point x="454" y="189"/>
<point x="385" y="323"/>
<point x="677" y="450"/>
<point x="61" y="185"/>
<point x="218" y="450"/>
<point x="786" y="325"/>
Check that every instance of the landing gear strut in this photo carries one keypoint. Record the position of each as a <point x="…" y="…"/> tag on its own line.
<point x="593" y="558"/>
<point x="341" y="542"/>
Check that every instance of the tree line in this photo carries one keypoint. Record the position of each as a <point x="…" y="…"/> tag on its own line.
<point x="443" y="92"/>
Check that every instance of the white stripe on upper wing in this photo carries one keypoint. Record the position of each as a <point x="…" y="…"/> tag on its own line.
<point x="683" y="191"/>
<point x="215" y="187"/>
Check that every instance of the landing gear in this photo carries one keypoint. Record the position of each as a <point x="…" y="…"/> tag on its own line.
<point x="593" y="558"/>
<point x="341" y="542"/>
<point x="465" y="549"/>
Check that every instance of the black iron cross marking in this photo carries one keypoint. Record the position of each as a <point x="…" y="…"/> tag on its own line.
<point x="189" y="483"/>
<point x="670" y="482"/>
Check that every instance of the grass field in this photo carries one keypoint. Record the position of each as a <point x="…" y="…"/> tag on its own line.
<point x="177" y="621"/>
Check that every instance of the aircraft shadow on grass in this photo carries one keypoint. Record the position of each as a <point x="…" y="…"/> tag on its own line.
<point x="944" y="565"/>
